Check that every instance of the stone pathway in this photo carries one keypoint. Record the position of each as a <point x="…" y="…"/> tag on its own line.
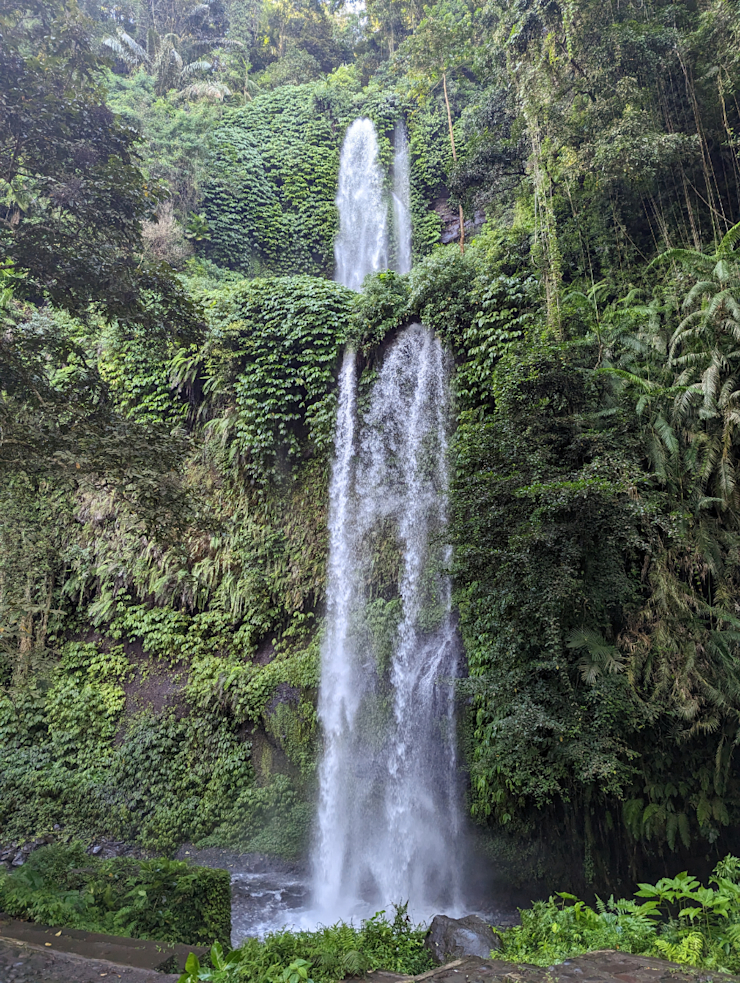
<point x="33" y="962"/>
<point x="22" y="962"/>
<point x="31" y="953"/>
<point x="606" y="966"/>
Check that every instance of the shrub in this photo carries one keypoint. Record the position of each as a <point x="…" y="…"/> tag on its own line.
<point x="678" y="920"/>
<point x="166" y="900"/>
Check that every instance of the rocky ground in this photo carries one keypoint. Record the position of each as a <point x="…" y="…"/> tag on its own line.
<point x="606" y="966"/>
<point x="32" y="952"/>
<point x="24" y="963"/>
<point x="27" y="963"/>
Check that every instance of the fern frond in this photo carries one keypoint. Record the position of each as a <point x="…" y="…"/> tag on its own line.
<point x="681" y="256"/>
<point x="697" y="291"/>
<point x="729" y="241"/>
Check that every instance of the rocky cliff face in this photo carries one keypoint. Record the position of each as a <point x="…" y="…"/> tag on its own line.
<point x="450" y="219"/>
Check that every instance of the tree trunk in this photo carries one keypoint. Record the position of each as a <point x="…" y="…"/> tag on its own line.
<point x="454" y="157"/>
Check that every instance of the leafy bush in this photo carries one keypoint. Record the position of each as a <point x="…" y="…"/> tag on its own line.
<point x="700" y="926"/>
<point x="167" y="900"/>
<point x="553" y="930"/>
<point x="380" y="309"/>
<point x="269" y="366"/>
<point x="269" y="200"/>
<point x="323" y="956"/>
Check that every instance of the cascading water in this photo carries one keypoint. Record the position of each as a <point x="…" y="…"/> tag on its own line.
<point x="388" y="816"/>
<point x="389" y="821"/>
<point x="401" y="200"/>
<point x="361" y="245"/>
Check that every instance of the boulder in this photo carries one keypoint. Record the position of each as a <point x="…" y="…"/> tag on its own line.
<point x="452" y="938"/>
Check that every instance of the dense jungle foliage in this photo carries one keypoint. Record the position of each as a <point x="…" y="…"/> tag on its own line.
<point x="169" y="347"/>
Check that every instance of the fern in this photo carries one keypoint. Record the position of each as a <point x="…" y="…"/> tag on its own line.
<point x="730" y="240"/>
<point x="687" y="952"/>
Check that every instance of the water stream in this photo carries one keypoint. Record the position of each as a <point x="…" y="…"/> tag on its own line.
<point x="388" y="818"/>
<point x="361" y="244"/>
<point x="401" y="197"/>
<point x="389" y="821"/>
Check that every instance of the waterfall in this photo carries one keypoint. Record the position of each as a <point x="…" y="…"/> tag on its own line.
<point x="389" y="820"/>
<point x="361" y="245"/>
<point x="338" y="693"/>
<point x="401" y="200"/>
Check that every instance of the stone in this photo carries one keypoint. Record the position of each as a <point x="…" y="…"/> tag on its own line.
<point x="452" y="938"/>
<point x="19" y="859"/>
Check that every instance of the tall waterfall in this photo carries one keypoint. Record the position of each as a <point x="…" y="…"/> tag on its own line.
<point x="389" y="818"/>
<point x="401" y="200"/>
<point x="361" y="245"/>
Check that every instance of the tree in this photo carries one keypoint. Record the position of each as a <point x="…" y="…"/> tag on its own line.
<point x="72" y="198"/>
<point x="174" y="61"/>
<point x="443" y="42"/>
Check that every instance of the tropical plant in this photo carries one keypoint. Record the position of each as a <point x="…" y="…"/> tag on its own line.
<point x="173" y="61"/>
<point x="258" y="405"/>
<point x="72" y="198"/>
<point x="704" y="353"/>
<point x="676" y="918"/>
<point x="221" y="970"/>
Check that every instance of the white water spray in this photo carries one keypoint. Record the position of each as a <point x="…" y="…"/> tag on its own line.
<point x="401" y="200"/>
<point x="361" y="245"/>
<point x="389" y="820"/>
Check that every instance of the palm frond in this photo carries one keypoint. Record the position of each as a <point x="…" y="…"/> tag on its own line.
<point x="667" y="434"/>
<point x="195" y="66"/>
<point x="126" y="48"/>
<point x="601" y="657"/>
<point x="214" y="91"/>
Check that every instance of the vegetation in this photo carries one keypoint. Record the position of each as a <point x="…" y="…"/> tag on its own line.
<point x="168" y="353"/>
<point x="325" y="956"/>
<point x="676" y="919"/>
<point x="682" y="921"/>
<point x="165" y="900"/>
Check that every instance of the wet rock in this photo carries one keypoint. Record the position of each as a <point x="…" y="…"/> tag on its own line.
<point x="107" y="849"/>
<point x="15" y="855"/>
<point x="452" y="938"/>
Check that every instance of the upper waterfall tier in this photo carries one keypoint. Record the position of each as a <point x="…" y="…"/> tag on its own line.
<point x="361" y="245"/>
<point x="401" y="200"/>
